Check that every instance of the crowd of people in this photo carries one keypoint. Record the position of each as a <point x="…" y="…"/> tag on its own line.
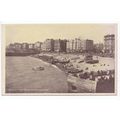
<point x="104" y="78"/>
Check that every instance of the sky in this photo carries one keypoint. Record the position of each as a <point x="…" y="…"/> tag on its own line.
<point x="32" y="33"/>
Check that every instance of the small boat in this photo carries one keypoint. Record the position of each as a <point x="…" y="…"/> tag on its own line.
<point x="64" y="61"/>
<point x="74" y="70"/>
<point x="53" y="61"/>
<point x="60" y="61"/>
<point x="38" y="68"/>
<point x="81" y="61"/>
<point x="92" y="61"/>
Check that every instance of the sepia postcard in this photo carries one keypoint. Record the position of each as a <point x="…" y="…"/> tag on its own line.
<point x="59" y="59"/>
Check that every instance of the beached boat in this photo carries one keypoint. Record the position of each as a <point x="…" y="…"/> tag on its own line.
<point x="64" y="61"/>
<point x="81" y="61"/>
<point x="92" y="61"/>
<point x="60" y="61"/>
<point x="74" y="70"/>
<point x="53" y="61"/>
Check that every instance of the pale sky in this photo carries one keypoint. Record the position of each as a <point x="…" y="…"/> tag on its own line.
<point x="32" y="33"/>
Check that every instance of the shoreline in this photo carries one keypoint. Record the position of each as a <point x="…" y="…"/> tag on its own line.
<point x="59" y="66"/>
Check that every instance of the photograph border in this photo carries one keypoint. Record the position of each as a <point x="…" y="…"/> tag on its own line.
<point x="3" y="61"/>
